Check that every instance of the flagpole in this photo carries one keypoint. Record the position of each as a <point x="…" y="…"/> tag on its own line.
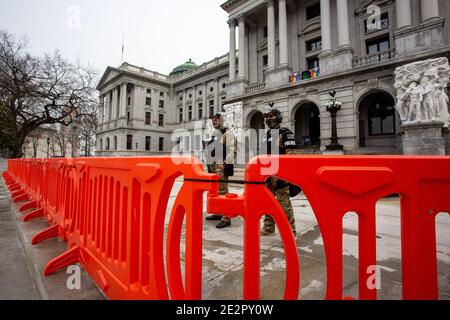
<point x="123" y="44"/>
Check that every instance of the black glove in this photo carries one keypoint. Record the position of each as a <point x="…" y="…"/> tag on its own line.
<point x="228" y="170"/>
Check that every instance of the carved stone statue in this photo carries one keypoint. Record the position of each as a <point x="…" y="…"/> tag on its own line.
<point x="420" y="91"/>
<point x="232" y="119"/>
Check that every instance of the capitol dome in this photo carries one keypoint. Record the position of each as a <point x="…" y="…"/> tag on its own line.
<point x="187" y="66"/>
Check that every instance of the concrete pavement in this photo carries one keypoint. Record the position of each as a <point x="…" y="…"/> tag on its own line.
<point x="223" y="257"/>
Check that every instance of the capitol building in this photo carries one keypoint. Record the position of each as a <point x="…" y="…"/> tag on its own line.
<point x="291" y="53"/>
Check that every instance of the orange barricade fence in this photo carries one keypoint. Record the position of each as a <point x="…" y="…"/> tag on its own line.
<point x="111" y="211"/>
<point x="335" y="186"/>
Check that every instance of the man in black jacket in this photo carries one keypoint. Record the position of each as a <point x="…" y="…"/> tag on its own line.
<point x="280" y="189"/>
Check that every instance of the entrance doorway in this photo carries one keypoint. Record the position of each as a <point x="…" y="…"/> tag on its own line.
<point x="307" y="125"/>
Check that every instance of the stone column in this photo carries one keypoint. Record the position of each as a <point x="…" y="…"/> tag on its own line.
<point x="134" y="105"/>
<point x="194" y="103"/>
<point x="123" y="101"/>
<point x="217" y="97"/>
<point x="429" y="9"/>
<point x="100" y="113"/>
<point x="205" y="102"/>
<point x="107" y="104"/>
<point x="403" y="11"/>
<point x="325" y="21"/>
<point x="271" y="33"/>
<point x="342" y="17"/>
<point x="115" y="99"/>
<point x="241" y="47"/>
<point x="283" y="32"/>
<point x="232" y="54"/>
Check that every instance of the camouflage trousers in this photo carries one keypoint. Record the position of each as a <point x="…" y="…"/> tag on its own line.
<point x="223" y="186"/>
<point x="282" y="195"/>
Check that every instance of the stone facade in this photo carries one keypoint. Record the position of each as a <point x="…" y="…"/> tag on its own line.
<point x="292" y="53"/>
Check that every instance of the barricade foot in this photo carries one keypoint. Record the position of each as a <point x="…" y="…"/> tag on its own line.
<point x="48" y="233"/>
<point x="22" y="197"/>
<point x="26" y="206"/>
<point x="33" y="215"/>
<point x="17" y="193"/>
<point x="68" y="258"/>
<point x="14" y="188"/>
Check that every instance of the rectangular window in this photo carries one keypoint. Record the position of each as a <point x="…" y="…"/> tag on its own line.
<point x="265" y="32"/>
<point x="148" y="117"/>
<point x="265" y="60"/>
<point x="129" y="101"/>
<point x="180" y="115"/>
<point x="190" y="113"/>
<point x="161" y="94"/>
<point x="178" y="143"/>
<point x="200" y="110"/>
<point x="147" y="143"/>
<point x="197" y="142"/>
<point x="377" y="23"/>
<point x="161" y="103"/>
<point x="313" y="45"/>
<point x="378" y="50"/>
<point x="129" y="142"/>
<point x="149" y="91"/>
<point x="161" y="120"/>
<point x="211" y="108"/>
<point x="161" y="144"/>
<point x="313" y="11"/>
<point x="313" y="63"/>
<point x="148" y="101"/>
<point x="128" y="116"/>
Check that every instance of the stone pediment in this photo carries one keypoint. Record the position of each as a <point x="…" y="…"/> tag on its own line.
<point x="309" y="27"/>
<point x="109" y="74"/>
<point x="363" y="5"/>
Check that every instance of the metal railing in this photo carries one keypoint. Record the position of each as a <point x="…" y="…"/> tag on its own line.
<point x="375" y="58"/>
<point x="255" y="87"/>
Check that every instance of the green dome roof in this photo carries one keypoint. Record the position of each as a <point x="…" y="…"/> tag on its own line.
<point x="187" y="66"/>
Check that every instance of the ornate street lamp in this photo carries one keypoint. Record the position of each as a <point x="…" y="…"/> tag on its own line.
<point x="333" y="107"/>
<point x="48" y="147"/>
<point x="74" y="131"/>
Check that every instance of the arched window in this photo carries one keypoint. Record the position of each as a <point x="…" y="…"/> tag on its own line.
<point x="101" y="144"/>
<point x="107" y="144"/>
<point x="115" y="143"/>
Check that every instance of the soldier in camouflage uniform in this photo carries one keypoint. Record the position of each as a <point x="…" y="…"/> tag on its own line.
<point x="223" y="141"/>
<point x="279" y="188"/>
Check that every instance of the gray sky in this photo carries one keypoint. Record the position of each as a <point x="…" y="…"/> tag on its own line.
<point x="159" y="34"/>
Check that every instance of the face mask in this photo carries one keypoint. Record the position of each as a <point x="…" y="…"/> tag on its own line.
<point x="272" y="123"/>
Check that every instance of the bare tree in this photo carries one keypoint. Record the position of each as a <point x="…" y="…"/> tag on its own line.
<point x="35" y="91"/>
<point x="88" y="130"/>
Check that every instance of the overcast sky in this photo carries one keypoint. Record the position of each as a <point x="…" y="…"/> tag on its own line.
<point x="159" y="34"/>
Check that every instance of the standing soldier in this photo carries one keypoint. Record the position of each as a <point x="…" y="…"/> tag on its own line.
<point x="220" y="155"/>
<point x="279" y="188"/>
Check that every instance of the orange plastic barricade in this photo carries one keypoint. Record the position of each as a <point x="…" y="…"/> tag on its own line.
<point x="112" y="212"/>
<point x="335" y="186"/>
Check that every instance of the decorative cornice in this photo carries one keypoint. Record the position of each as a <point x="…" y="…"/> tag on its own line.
<point x="231" y="4"/>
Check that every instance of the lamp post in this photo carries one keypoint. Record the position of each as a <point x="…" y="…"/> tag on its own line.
<point x="48" y="147"/>
<point x="333" y="107"/>
<point x="74" y="131"/>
